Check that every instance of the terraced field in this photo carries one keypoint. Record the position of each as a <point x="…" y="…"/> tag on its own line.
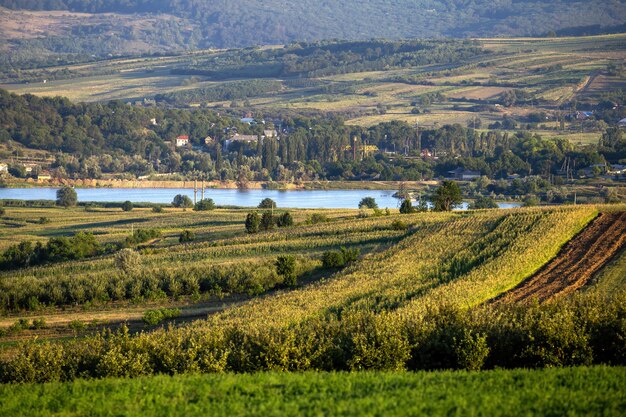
<point x="415" y="298"/>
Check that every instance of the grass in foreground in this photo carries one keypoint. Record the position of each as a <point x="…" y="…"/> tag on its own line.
<point x="596" y="391"/>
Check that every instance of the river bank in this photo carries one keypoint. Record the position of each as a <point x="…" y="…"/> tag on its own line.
<point x="227" y="185"/>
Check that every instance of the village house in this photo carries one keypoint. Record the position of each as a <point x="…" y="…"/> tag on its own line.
<point x="239" y="138"/>
<point x="182" y="140"/>
<point x="461" y="174"/>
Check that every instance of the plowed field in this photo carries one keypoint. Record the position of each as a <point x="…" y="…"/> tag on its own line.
<point x="577" y="262"/>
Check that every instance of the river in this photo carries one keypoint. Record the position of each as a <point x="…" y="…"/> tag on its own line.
<point x="222" y="197"/>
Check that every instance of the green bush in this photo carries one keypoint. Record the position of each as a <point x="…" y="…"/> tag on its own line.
<point x="127" y="206"/>
<point x="368" y="202"/>
<point x="187" y="236"/>
<point x="267" y="203"/>
<point x="182" y="201"/>
<point x="286" y="267"/>
<point x="407" y="207"/>
<point x="204" y="205"/>
<point x="154" y="317"/>
<point x="399" y="225"/>
<point x="252" y="222"/>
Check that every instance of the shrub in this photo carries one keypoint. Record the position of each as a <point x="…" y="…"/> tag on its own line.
<point x="127" y="206"/>
<point x="483" y="203"/>
<point x="368" y="202"/>
<point x="406" y="207"/>
<point x="286" y="267"/>
<point x="399" y="225"/>
<point x="43" y="220"/>
<point x="316" y="218"/>
<point x="39" y="323"/>
<point x="2" y="211"/>
<point x="267" y="221"/>
<point x="252" y="222"/>
<point x="285" y="220"/>
<point x="340" y="258"/>
<point x="128" y="261"/>
<point x="204" y="205"/>
<point x="142" y="235"/>
<point x="157" y="209"/>
<point x="187" y="236"/>
<point x="267" y="203"/>
<point x="154" y="317"/>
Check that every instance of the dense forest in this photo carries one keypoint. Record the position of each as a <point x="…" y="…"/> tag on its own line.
<point x="90" y="140"/>
<point x="199" y="24"/>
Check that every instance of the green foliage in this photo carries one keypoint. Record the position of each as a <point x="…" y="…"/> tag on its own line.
<point x="157" y="209"/>
<point x="58" y="249"/>
<point x="483" y="203"/>
<point x="576" y="391"/>
<point x="267" y="203"/>
<point x="447" y="196"/>
<point x="142" y="235"/>
<point x="205" y="205"/>
<point x="187" y="236"/>
<point x="127" y="206"/>
<point x="531" y="201"/>
<point x="368" y="202"/>
<point x="66" y="197"/>
<point x="286" y="267"/>
<point x="154" y="317"/>
<point x="182" y="201"/>
<point x="407" y="207"/>
<point x="340" y="258"/>
<point x="316" y="218"/>
<point x="267" y="221"/>
<point x="285" y="220"/>
<point x="399" y="225"/>
<point x="252" y="222"/>
<point x="128" y="261"/>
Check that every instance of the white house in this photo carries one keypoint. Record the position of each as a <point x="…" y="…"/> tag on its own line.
<point x="182" y="140"/>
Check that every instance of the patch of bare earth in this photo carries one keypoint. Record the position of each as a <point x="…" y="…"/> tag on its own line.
<point x="575" y="264"/>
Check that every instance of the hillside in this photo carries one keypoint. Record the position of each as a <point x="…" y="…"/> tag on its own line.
<point x="121" y="27"/>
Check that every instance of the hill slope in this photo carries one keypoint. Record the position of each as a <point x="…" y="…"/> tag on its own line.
<point x="193" y="24"/>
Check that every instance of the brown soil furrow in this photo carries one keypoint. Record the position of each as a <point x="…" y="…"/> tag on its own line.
<point x="575" y="264"/>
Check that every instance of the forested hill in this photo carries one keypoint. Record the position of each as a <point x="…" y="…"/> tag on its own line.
<point x="234" y="23"/>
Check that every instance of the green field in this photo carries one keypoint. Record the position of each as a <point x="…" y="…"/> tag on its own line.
<point x="580" y="391"/>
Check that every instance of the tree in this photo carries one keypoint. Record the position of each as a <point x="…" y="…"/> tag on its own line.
<point x="128" y="260"/>
<point x="447" y="197"/>
<point x="182" y="201"/>
<point x="483" y="203"/>
<point x="368" y="202"/>
<point x="267" y="221"/>
<point x="286" y="266"/>
<point x="187" y="236"/>
<point x="127" y="206"/>
<point x="205" y="205"/>
<point x="252" y="222"/>
<point x="67" y="197"/>
<point x="267" y="203"/>
<point x="406" y="207"/>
